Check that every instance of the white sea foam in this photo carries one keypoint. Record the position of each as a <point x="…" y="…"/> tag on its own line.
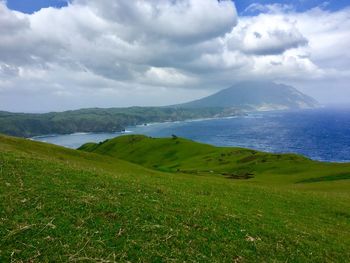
<point x="79" y="133"/>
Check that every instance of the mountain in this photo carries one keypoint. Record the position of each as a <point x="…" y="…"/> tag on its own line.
<point x="260" y="96"/>
<point x="248" y="96"/>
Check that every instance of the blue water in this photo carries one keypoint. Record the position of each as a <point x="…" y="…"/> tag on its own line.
<point x="322" y="134"/>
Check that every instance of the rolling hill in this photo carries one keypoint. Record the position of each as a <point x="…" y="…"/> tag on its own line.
<point x="62" y="205"/>
<point x="178" y="155"/>
<point x="256" y="96"/>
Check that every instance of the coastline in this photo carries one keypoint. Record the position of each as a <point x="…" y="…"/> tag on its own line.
<point x="309" y="133"/>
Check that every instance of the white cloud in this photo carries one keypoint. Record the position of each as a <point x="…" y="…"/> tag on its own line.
<point x="181" y="20"/>
<point x="291" y="47"/>
<point x="269" y="8"/>
<point x="158" y="49"/>
<point x="166" y="76"/>
<point x="267" y="34"/>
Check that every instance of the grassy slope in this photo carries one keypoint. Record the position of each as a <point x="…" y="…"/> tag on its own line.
<point x="58" y="204"/>
<point x="181" y="155"/>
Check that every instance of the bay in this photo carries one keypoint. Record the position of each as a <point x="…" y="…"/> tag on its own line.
<point x="320" y="134"/>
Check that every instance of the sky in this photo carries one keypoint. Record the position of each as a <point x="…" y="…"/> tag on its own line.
<point x="57" y="55"/>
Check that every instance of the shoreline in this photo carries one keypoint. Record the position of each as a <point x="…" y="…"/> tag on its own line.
<point x="242" y="115"/>
<point x="134" y="126"/>
<point x="246" y="138"/>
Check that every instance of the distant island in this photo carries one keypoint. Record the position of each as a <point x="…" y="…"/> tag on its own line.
<point x="234" y="101"/>
<point x="256" y="96"/>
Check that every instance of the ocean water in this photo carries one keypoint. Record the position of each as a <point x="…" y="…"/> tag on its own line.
<point x="322" y="134"/>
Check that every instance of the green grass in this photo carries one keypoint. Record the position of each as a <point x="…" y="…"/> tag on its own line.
<point x="62" y="205"/>
<point x="177" y="155"/>
<point x="332" y="177"/>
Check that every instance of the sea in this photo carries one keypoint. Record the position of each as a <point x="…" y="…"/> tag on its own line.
<point x="320" y="134"/>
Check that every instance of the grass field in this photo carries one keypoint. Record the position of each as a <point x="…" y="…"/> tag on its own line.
<point x="139" y="199"/>
<point x="178" y="155"/>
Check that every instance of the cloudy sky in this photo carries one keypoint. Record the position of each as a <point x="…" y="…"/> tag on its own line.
<point x="56" y="55"/>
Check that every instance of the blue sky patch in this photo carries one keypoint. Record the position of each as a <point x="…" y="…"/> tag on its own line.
<point x="299" y="5"/>
<point x="31" y="6"/>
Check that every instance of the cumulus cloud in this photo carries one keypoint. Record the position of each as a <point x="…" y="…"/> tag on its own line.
<point x="119" y="53"/>
<point x="181" y="20"/>
<point x="267" y="35"/>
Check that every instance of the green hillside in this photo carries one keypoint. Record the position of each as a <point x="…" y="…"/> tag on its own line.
<point x="63" y="205"/>
<point x="98" y="119"/>
<point x="184" y="156"/>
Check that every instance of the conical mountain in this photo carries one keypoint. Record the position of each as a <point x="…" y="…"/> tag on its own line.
<point x="256" y="96"/>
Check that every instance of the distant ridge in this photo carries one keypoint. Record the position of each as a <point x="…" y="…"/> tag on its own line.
<point x="260" y="96"/>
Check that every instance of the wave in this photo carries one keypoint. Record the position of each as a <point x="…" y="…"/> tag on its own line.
<point x="80" y="133"/>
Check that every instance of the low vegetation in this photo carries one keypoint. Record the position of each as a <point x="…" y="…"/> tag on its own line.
<point x="173" y="203"/>
<point x="98" y="120"/>
<point x="184" y="156"/>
